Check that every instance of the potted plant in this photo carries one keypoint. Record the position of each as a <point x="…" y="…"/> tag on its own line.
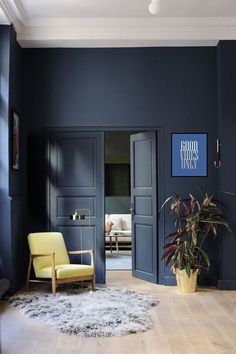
<point x="195" y="220"/>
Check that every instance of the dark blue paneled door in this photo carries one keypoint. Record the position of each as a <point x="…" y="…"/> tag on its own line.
<point x="143" y="205"/>
<point x="75" y="181"/>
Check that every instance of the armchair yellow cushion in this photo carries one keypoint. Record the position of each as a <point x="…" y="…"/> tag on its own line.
<point x="64" y="271"/>
<point x="47" y="242"/>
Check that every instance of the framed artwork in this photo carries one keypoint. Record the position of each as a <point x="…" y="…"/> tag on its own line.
<point x="189" y="154"/>
<point x="15" y="141"/>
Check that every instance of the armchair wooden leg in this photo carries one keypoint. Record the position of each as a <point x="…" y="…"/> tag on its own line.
<point x="28" y="272"/>
<point x="94" y="283"/>
<point x="54" y="286"/>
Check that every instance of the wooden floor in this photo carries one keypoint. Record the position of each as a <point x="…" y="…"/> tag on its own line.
<point x="199" y="323"/>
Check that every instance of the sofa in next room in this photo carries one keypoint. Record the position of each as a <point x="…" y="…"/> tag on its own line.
<point x="120" y="235"/>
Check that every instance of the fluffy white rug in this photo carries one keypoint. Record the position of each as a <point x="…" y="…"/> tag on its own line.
<point x="103" y="313"/>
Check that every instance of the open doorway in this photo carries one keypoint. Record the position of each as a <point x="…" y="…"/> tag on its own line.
<point x="118" y="233"/>
<point x="72" y="188"/>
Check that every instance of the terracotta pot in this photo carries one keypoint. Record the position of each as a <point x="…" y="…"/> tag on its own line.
<point x="184" y="283"/>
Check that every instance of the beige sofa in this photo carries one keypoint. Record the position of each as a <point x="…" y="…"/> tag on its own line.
<point x="121" y="235"/>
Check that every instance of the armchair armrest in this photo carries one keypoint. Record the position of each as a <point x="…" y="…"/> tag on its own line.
<point x="82" y="252"/>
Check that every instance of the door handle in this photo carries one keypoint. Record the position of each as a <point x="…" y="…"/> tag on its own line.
<point x="132" y="209"/>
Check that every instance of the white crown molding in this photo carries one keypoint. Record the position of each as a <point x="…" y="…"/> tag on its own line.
<point x="3" y="19"/>
<point x="117" y="32"/>
<point x="125" y="32"/>
<point x="78" y="43"/>
<point x="20" y="10"/>
<point x="15" y="13"/>
<point x="132" y="21"/>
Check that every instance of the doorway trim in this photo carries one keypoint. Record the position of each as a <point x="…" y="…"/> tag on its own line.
<point x="160" y="178"/>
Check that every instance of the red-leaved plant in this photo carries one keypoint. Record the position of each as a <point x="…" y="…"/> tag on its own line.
<point x="195" y="220"/>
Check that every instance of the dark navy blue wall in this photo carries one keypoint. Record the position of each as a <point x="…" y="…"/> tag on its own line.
<point x="18" y="179"/>
<point x="227" y="176"/>
<point x="5" y="201"/>
<point x="173" y="88"/>
<point x="13" y="183"/>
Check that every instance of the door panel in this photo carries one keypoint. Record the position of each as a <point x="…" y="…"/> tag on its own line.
<point x="143" y="246"/>
<point x="79" y="238"/>
<point x="75" y="181"/>
<point x="143" y="164"/>
<point x="143" y="199"/>
<point x="143" y="206"/>
<point x="72" y="152"/>
<point x="66" y="204"/>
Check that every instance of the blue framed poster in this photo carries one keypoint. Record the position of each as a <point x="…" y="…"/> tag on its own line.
<point x="189" y="154"/>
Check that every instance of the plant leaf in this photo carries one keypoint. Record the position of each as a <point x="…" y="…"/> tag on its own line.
<point x="170" y="250"/>
<point x="205" y="256"/>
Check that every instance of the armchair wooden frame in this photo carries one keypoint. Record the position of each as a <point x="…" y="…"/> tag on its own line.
<point x="54" y="281"/>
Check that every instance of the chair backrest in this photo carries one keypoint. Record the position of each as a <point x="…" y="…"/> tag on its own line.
<point x="47" y="242"/>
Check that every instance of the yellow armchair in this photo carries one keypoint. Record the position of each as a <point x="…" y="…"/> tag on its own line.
<point x="50" y="260"/>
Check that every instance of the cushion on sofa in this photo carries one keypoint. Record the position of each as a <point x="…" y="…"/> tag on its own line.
<point x="116" y="220"/>
<point x="126" y="221"/>
<point x="121" y="222"/>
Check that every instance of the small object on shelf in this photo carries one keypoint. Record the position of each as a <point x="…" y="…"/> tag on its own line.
<point x="79" y="215"/>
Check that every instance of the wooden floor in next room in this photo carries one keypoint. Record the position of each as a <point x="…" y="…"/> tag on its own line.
<point x="198" y="323"/>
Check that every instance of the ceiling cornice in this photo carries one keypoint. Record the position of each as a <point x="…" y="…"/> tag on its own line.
<point x="117" y="32"/>
<point x="15" y="13"/>
<point x="126" y="31"/>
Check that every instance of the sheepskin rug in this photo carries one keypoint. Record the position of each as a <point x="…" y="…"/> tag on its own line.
<point x="103" y="313"/>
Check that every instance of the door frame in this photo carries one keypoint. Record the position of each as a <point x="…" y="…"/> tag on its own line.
<point x="160" y="178"/>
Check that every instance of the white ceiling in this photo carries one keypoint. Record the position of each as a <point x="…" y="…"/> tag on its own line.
<point x="127" y="8"/>
<point x="105" y="23"/>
